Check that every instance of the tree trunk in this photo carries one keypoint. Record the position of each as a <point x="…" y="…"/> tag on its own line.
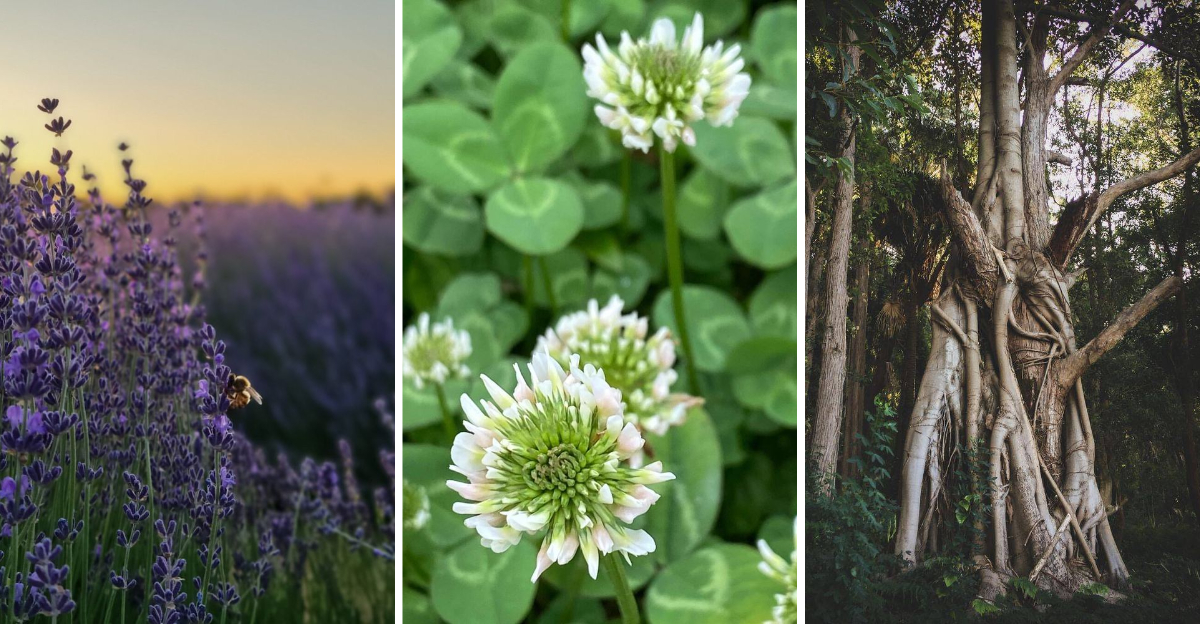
<point x="1183" y="357"/>
<point x="830" y="387"/>
<point x="856" y="384"/>
<point x="1004" y="362"/>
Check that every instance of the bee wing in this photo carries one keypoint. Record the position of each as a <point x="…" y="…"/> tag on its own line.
<point x="255" y="395"/>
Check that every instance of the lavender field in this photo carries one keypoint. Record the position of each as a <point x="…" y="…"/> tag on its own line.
<point x="303" y="298"/>
<point x="132" y="489"/>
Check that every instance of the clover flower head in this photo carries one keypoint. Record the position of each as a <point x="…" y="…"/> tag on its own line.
<point x="658" y="86"/>
<point x="637" y="365"/>
<point x="416" y="506"/>
<point x="548" y="457"/>
<point x="435" y="352"/>
<point x="774" y="566"/>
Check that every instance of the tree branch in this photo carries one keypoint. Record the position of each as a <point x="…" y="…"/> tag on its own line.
<point x="1125" y="31"/>
<point x="976" y="248"/>
<point x="1080" y="215"/>
<point x="1059" y="158"/>
<point x="1073" y="366"/>
<point x="1099" y="31"/>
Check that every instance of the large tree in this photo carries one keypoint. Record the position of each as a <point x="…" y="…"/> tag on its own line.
<point x="1005" y="367"/>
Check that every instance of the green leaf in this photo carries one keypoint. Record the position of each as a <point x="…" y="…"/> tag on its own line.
<point x="772" y="101"/>
<point x="568" y="278"/>
<point x="468" y="292"/>
<point x="764" y="377"/>
<point x="596" y="147"/>
<point x="623" y="15"/>
<point x="510" y="322"/>
<point x="465" y="82"/>
<point x="540" y="105"/>
<point x="1025" y="585"/>
<point x="603" y="249"/>
<point x="429" y="466"/>
<point x="473" y="585"/>
<point x="780" y="534"/>
<point x="703" y="199"/>
<point x="452" y="148"/>
<point x="706" y="256"/>
<point x="982" y="607"/>
<point x="535" y="216"/>
<point x="718" y="584"/>
<point x="629" y="283"/>
<point x="431" y="37"/>
<point x="772" y="308"/>
<point x="474" y="16"/>
<point x="421" y="407"/>
<point x="762" y="228"/>
<point x="688" y="508"/>
<point x="601" y="204"/>
<point x="721" y="17"/>
<point x="441" y="224"/>
<point x="715" y="323"/>
<point x="727" y="417"/>
<point x="751" y="152"/>
<point x="831" y="102"/>
<point x="586" y="16"/>
<point x="514" y="27"/>
<point x="773" y="44"/>
<point x="417" y="608"/>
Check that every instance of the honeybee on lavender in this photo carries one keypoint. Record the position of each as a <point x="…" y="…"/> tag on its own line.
<point x="239" y="392"/>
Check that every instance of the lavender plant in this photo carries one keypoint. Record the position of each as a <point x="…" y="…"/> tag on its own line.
<point x="128" y="493"/>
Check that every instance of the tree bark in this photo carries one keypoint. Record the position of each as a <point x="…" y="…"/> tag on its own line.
<point x="1183" y="351"/>
<point x="830" y="387"/>
<point x="856" y="384"/>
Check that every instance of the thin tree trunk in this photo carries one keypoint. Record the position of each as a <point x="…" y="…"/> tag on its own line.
<point x="830" y="387"/>
<point x="856" y="384"/>
<point x="912" y="342"/>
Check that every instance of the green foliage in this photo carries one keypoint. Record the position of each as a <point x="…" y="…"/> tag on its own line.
<point x="846" y="534"/>
<point x="519" y="207"/>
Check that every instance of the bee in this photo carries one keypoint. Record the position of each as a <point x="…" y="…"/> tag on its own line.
<point x="239" y="392"/>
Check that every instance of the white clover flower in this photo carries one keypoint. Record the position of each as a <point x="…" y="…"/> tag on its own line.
<point x="548" y="457"/>
<point x="415" y="507"/>
<point x="658" y="86"/>
<point x="786" y="604"/>
<point x="640" y="367"/>
<point x="435" y="353"/>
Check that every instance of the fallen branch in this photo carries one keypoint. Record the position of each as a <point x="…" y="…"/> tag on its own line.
<point x="1070" y="516"/>
<point x="1037" y="569"/>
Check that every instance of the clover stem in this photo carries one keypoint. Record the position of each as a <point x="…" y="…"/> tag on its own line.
<point x="549" y="286"/>
<point x="626" y="175"/>
<point x="447" y="419"/>
<point x="625" y="599"/>
<point x="566" y="21"/>
<point x="675" y="262"/>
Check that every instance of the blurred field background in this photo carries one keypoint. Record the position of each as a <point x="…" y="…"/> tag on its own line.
<point x="303" y="297"/>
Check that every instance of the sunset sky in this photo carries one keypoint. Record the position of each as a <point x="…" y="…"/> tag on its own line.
<point x="225" y="98"/>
